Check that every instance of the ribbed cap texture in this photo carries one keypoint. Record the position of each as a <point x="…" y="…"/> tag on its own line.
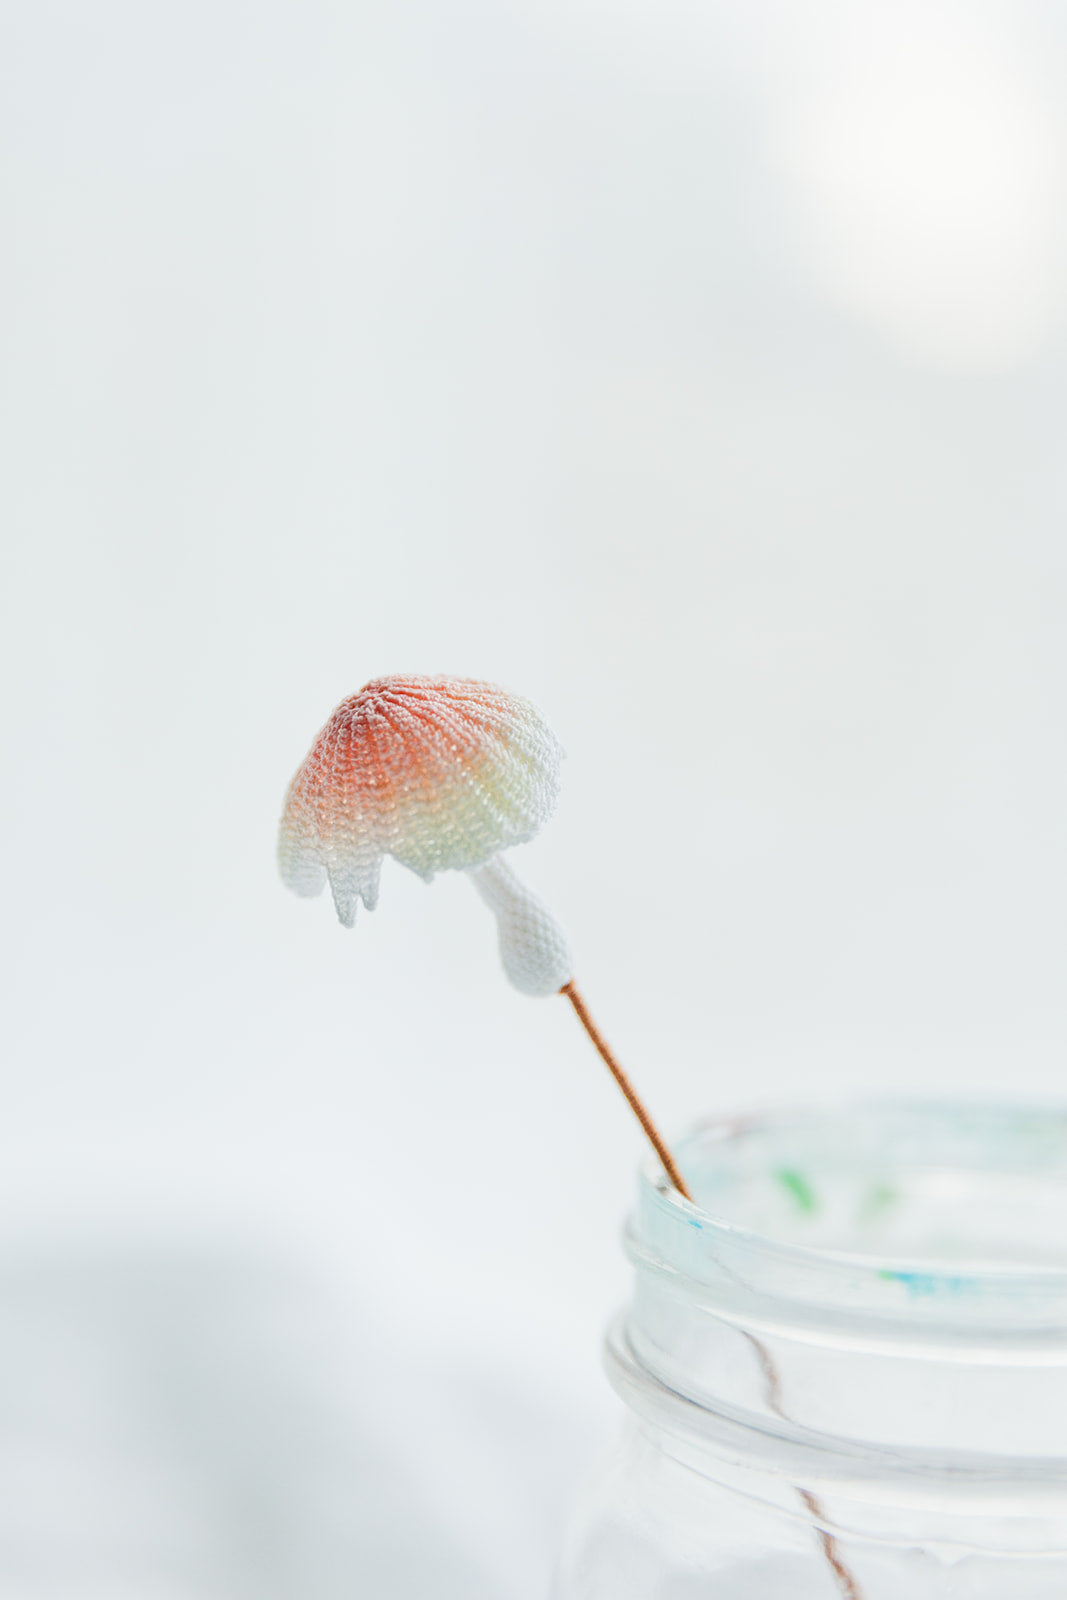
<point x="436" y="772"/>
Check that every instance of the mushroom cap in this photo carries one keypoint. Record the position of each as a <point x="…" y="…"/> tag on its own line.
<point x="436" y="772"/>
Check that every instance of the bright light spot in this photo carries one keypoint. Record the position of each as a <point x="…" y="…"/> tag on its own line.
<point x="929" y="180"/>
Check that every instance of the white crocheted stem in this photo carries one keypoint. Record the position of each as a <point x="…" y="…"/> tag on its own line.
<point x="538" y="961"/>
<point x="533" y="947"/>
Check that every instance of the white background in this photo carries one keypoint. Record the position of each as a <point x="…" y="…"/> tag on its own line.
<point x="698" y="370"/>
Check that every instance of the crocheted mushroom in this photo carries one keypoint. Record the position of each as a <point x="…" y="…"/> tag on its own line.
<point x="439" y="773"/>
<point x="446" y="773"/>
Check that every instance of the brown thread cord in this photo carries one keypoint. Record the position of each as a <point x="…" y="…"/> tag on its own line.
<point x="850" y="1589"/>
<point x="627" y="1088"/>
<point x="847" y="1583"/>
<point x="773" y="1392"/>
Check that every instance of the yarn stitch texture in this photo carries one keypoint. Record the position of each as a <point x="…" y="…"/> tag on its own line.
<point x="533" y="946"/>
<point x="436" y="772"/>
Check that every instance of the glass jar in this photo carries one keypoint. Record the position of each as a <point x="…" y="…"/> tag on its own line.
<point x="846" y="1366"/>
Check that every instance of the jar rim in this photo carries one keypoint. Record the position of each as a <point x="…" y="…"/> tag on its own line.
<point x="966" y="1238"/>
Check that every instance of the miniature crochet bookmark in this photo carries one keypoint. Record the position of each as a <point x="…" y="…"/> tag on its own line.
<point x="440" y="773"/>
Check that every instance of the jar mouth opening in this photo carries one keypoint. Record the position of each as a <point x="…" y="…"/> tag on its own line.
<point x="889" y="1204"/>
